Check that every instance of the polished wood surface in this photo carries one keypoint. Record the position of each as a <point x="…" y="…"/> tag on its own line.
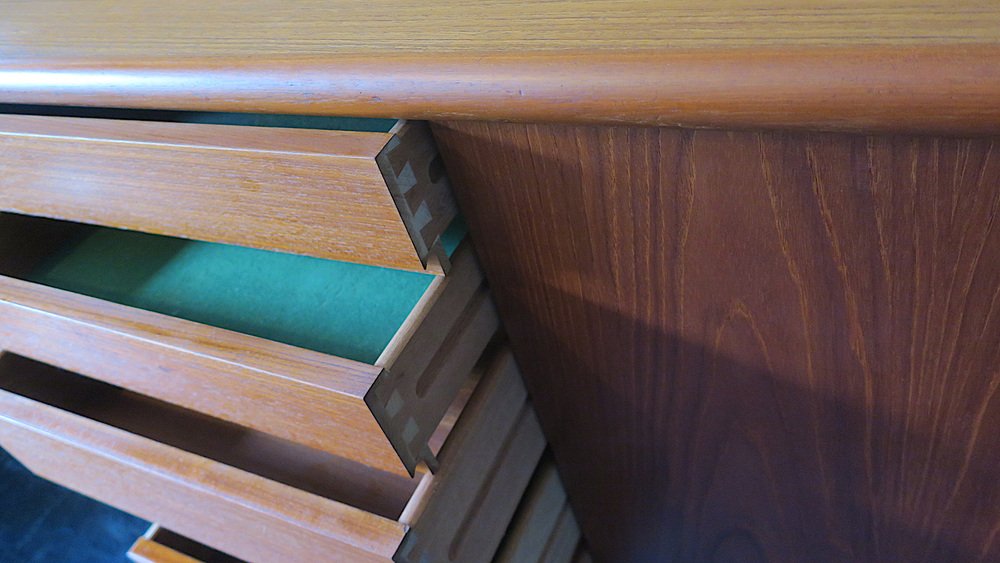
<point x="321" y="193"/>
<point x="892" y="65"/>
<point x="917" y="89"/>
<point x="159" y="545"/>
<point x="69" y="30"/>
<point x="752" y="346"/>
<point x="148" y="551"/>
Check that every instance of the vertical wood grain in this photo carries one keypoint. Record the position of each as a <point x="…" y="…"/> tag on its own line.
<point x="752" y="346"/>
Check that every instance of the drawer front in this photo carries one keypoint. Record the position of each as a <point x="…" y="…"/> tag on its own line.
<point x="307" y="397"/>
<point x="459" y="514"/>
<point x="372" y="198"/>
<point x="150" y="551"/>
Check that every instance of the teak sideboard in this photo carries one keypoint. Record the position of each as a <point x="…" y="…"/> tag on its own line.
<point x="745" y="255"/>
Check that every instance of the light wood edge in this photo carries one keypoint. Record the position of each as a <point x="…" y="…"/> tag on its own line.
<point x="390" y="355"/>
<point x="425" y="205"/>
<point x="230" y="484"/>
<point x="486" y="465"/>
<point x="443" y="339"/>
<point x="447" y="425"/>
<point x="870" y="87"/>
<point x="327" y="143"/>
<point x="415" y="506"/>
<point x="147" y="550"/>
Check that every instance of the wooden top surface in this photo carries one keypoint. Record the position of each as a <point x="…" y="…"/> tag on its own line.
<point x="673" y="62"/>
<point x="71" y="29"/>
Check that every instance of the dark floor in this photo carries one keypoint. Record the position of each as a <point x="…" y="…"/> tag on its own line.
<point x="42" y="522"/>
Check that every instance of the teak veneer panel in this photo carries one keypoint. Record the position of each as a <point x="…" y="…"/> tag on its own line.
<point x="148" y="551"/>
<point x="316" y="192"/>
<point x="752" y="346"/>
<point x="256" y="29"/>
<point x="888" y="64"/>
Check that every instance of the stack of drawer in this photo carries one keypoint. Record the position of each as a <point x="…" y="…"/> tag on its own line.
<point x="265" y="339"/>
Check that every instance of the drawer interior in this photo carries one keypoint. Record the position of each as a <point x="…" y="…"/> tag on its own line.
<point x="160" y="545"/>
<point x="344" y="309"/>
<point x="365" y="124"/>
<point x="382" y="493"/>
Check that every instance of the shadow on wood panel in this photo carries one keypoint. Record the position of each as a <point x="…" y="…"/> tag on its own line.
<point x="752" y="346"/>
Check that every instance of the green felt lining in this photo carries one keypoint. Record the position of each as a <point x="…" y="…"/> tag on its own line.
<point x="209" y="117"/>
<point x="348" y="310"/>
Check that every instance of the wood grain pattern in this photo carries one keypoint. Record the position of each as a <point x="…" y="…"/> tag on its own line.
<point x="752" y="346"/>
<point x="311" y="398"/>
<point x="159" y="545"/>
<point x="148" y="551"/>
<point x="883" y="88"/>
<point x="905" y="65"/>
<point x="320" y="193"/>
<point x="257" y="28"/>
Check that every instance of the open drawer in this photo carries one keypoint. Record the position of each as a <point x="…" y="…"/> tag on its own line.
<point x="260" y="498"/>
<point x="358" y="361"/>
<point x="159" y="545"/>
<point x="374" y="197"/>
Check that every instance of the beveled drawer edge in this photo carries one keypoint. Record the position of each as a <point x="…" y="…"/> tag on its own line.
<point x="147" y="550"/>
